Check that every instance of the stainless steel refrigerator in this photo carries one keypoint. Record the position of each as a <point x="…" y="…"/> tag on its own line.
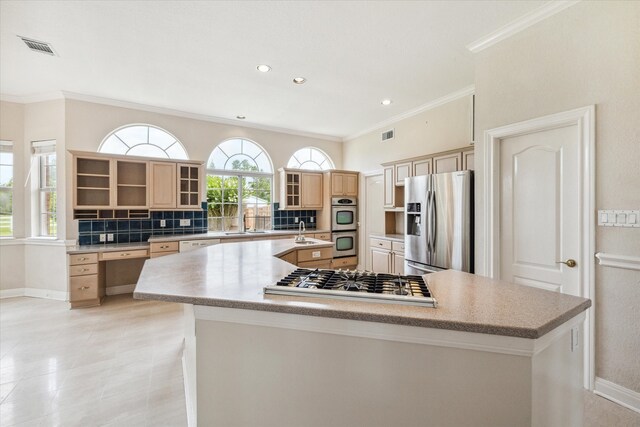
<point x="439" y="222"/>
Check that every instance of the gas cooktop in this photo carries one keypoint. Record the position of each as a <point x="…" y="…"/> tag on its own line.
<point x="355" y="285"/>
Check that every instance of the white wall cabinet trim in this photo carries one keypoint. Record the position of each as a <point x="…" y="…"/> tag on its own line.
<point x="616" y="393"/>
<point x="34" y="292"/>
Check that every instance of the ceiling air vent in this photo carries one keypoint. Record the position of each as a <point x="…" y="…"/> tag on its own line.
<point x="388" y="135"/>
<point x="37" y="46"/>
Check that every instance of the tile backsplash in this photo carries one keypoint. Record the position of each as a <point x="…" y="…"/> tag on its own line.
<point x="139" y="230"/>
<point x="285" y="220"/>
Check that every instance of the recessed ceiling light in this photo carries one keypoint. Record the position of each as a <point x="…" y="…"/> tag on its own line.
<point x="299" y="80"/>
<point x="386" y="102"/>
<point x="264" y="68"/>
<point x="240" y="117"/>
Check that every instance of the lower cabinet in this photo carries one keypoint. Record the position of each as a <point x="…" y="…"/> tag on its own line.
<point x="387" y="256"/>
<point x="163" y="248"/>
<point x="84" y="280"/>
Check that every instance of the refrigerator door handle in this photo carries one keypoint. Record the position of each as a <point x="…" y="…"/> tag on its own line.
<point x="428" y="227"/>
<point x="432" y="225"/>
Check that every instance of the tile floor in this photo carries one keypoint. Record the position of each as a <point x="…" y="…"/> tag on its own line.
<point x="119" y="365"/>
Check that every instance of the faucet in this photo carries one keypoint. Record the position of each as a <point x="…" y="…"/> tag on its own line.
<point x="301" y="228"/>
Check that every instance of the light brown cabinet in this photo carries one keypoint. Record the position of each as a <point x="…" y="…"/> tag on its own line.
<point x="311" y="190"/>
<point x="389" y="188"/>
<point x="85" y="285"/>
<point x="131" y="184"/>
<point x="344" y="184"/>
<point x="163" y="179"/>
<point x="188" y="186"/>
<point x="301" y="190"/>
<point x="92" y="183"/>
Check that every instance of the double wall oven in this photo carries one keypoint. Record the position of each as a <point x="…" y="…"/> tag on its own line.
<point x="344" y="222"/>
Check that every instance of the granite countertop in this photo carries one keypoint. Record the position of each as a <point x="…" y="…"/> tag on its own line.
<point x="233" y="275"/>
<point x="222" y="235"/>
<point x="395" y="237"/>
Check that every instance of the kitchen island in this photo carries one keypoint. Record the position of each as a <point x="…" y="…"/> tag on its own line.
<point x="492" y="353"/>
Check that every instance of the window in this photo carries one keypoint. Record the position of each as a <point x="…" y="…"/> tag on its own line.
<point x="310" y="158"/>
<point x="44" y="153"/>
<point x="6" y="189"/>
<point x="239" y="183"/>
<point x="143" y="141"/>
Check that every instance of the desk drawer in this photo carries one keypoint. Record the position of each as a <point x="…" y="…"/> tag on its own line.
<point x="165" y="247"/>
<point x="159" y="254"/>
<point x="380" y="243"/>
<point x="137" y="253"/>
<point x="351" y="261"/>
<point x="326" y="263"/>
<point x="397" y="246"/>
<point x="78" y="259"/>
<point x="83" y="287"/>
<point x="83" y="269"/>
<point x="322" y="236"/>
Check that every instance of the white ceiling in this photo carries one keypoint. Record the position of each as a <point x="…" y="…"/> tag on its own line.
<point x="201" y="57"/>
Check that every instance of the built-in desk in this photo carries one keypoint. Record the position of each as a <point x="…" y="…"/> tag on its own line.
<point x="88" y="276"/>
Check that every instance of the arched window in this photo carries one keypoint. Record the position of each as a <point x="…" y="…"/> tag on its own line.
<point x="239" y="187"/>
<point x="310" y="158"/>
<point x="144" y="141"/>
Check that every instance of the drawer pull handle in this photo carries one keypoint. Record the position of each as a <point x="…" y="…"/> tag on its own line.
<point x="84" y="269"/>
<point x="379" y="244"/>
<point x="125" y="254"/>
<point x="164" y="246"/>
<point x="82" y="258"/>
<point x="84" y="288"/>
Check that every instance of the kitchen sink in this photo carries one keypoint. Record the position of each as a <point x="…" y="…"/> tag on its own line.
<point x="256" y="232"/>
<point x="306" y="242"/>
<point x="232" y="233"/>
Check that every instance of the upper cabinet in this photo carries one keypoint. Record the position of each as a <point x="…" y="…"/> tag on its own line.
<point x="422" y="167"/>
<point x="188" y="186"/>
<point x="344" y="184"/>
<point x="402" y="171"/>
<point x="300" y="189"/>
<point x="132" y="190"/>
<point x="163" y="179"/>
<point x="92" y="182"/>
<point x="108" y="186"/>
<point x="467" y="160"/>
<point x="451" y="162"/>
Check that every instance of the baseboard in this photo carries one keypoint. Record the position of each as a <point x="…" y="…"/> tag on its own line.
<point x="34" y="293"/>
<point x="117" y="290"/>
<point x="618" y="394"/>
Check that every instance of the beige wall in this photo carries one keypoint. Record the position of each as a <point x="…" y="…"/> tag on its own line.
<point x="441" y="128"/>
<point x="88" y="123"/>
<point x="587" y="54"/>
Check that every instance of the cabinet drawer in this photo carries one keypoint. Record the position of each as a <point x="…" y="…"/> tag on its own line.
<point x="164" y="247"/>
<point x="83" y="287"/>
<point x="323" y="236"/>
<point x="315" y="264"/>
<point x="314" y="254"/>
<point x="380" y="243"/>
<point x="159" y="254"/>
<point x="83" y="269"/>
<point x="351" y="261"/>
<point x="397" y="246"/>
<point x="138" y="253"/>
<point x="77" y="259"/>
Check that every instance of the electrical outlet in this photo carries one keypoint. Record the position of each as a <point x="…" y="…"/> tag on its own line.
<point x="311" y="219"/>
<point x="296" y="220"/>
<point x="163" y="223"/>
<point x="185" y="222"/>
<point x="103" y="237"/>
<point x="110" y="237"/>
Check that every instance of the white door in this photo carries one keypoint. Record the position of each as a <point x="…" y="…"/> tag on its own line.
<point x="540" y="211"/>
<point x="373" y="214"/>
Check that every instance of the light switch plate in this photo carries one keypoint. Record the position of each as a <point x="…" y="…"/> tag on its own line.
<point x="163" y="223"/>
<point x="185" y="222"/>
<point x="103" y="237"/>
<point x="110" y="237"/>
<point x="619" y="218"/>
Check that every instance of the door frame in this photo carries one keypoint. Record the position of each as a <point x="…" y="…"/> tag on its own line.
<point x="584" y="118"/>
<point x="363" y="237"/>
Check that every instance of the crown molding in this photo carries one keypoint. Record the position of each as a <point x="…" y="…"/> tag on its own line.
<point x="28" y="99"/>
<point x="466" y="91"/>
<point x="520" y="24"/>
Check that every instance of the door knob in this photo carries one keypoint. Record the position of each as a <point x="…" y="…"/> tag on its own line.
<point x="569" y="263"/>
